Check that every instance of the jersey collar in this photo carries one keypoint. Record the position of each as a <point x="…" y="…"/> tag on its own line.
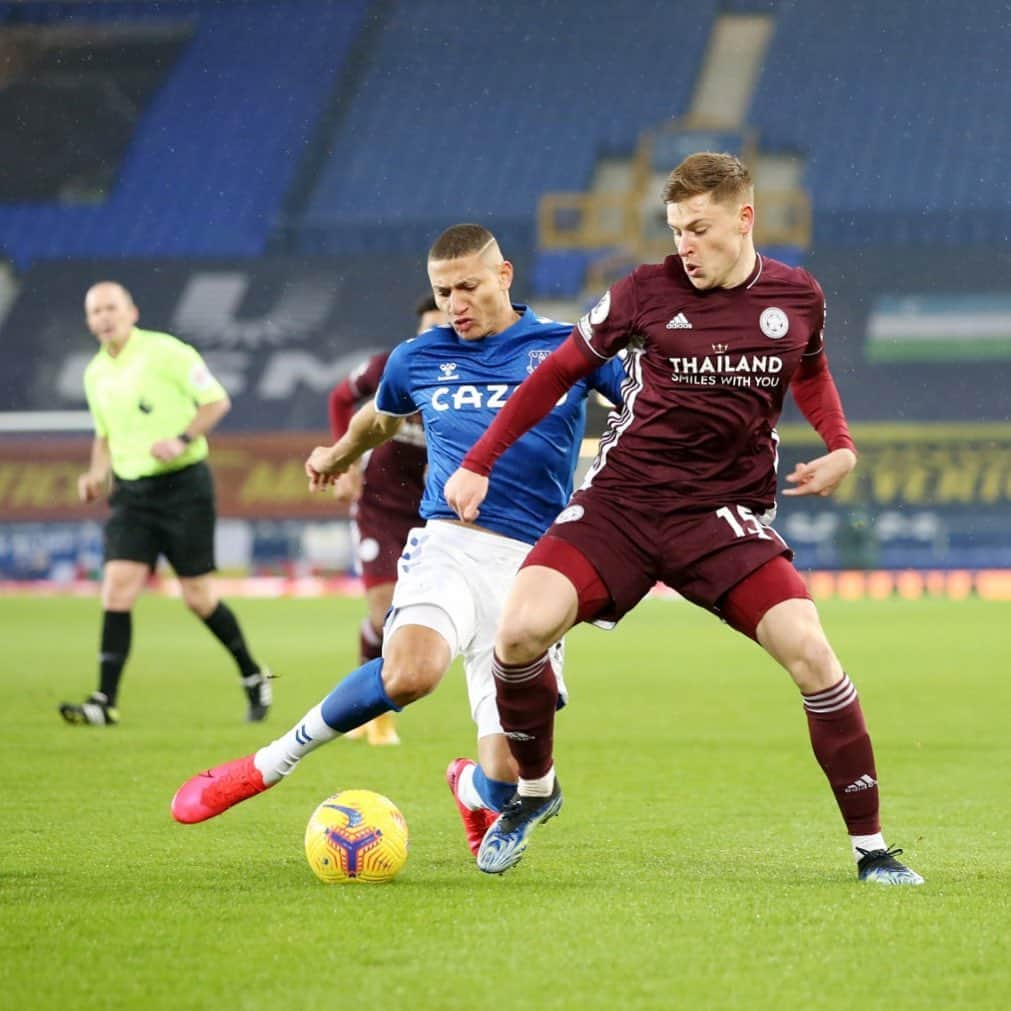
<point x="129" y="348"/>
<point x="527" y="315"/>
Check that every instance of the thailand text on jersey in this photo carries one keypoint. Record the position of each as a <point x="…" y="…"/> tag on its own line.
<point x="459" y="386"/>
<point x="708" y="374"/>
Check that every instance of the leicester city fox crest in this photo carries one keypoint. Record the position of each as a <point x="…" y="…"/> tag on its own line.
<point x="536" y="357"/>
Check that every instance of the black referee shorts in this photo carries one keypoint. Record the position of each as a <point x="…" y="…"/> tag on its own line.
<point x="168" y="514"/>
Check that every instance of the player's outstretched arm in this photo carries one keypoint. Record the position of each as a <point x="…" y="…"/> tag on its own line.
<point x="465" y="491"/>
<point x="367" y="430"/>
<point x="823" y="475"/>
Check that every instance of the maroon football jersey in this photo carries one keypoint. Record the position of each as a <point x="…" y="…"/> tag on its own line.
<point x="709" y="371"/>
<point x="394" y="473"/>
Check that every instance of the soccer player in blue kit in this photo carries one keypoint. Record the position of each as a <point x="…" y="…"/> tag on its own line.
<point x="452" y="577"/>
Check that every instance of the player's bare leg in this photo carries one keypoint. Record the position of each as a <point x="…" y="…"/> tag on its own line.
<point x="791" y="632"/>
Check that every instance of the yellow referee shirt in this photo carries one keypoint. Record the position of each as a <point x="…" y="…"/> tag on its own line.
<point x="149" y="391"/>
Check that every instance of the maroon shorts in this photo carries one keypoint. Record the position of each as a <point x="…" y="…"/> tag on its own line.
<point x="379" y="538"/>
<point x="699" y="553"/>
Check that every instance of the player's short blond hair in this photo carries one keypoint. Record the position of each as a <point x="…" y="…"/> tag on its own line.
<point x="723" y="176"/>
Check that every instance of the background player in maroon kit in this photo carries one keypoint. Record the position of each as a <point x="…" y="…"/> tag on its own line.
<point x="384" y="492"/>
<point x="683" y="490"/>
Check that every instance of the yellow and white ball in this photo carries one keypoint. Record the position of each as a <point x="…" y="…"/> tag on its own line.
<point x="356" y="835"/>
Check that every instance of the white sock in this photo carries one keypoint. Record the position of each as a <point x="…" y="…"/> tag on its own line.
<point x="540" y="787"/>
<point x="466" y="791"/>
<point x="279" y="757"/>
<point x="868" y="843"/>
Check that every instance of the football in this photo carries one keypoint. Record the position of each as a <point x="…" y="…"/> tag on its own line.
<point x="356" y="835"/>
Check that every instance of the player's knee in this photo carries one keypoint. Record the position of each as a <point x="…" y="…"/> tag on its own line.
<point x="120" y="593"/>
<point x="521" y="639"/>
<point x="411" y="679"/>
<point x="199" y="599"/>
<point x="812" y="664"/>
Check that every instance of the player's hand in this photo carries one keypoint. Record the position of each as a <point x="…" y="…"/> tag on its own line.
<point x="321" y="469"/>
<point x="90" y="486"/>
<point x="465" y="491"/>
<point x="167" y="450"/>
<point x="348" y="486"/>
<point x="823" y="475"/>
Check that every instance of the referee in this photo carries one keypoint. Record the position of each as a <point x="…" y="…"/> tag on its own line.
<point x="152" y="401"/>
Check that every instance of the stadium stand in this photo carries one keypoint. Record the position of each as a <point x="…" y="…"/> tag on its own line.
<point x="70" y="104"/>
<point x="896" y="152"/>
<point x="509" y="102"/>
<point x="211" y="160"/>
<point x="206" y="172"/>
<point x="275" y="131"/>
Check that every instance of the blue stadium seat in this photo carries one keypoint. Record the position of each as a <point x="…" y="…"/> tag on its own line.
<point x="217" y="149"/>
<point x="561" y="273"/>
<point x="509" y="102"/>
<point x="902" y="115"/>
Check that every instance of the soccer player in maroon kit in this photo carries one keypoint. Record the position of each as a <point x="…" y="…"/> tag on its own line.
<point x="385" y="494"/>
<point x="683" y="491"/>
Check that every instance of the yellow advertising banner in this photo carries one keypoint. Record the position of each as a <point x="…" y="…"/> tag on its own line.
<point x="261" y="475"/>
<point x="256" y="476"/>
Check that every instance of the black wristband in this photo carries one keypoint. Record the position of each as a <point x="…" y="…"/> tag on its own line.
<point x="185" y="437"/>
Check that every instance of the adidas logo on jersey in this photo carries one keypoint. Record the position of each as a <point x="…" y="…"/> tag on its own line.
<point x="679" y="322"/>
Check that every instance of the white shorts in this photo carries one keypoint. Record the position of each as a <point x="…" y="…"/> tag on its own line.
<point x="454" y="580"/>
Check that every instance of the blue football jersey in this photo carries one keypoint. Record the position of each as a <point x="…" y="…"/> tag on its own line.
<point x="458" y="386"/>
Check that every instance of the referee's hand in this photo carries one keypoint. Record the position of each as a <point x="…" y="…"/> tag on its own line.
<point x="166" y="450"/>
<point x="90" y="486"/>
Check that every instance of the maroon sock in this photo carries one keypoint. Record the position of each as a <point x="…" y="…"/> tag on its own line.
<point x="843" y="749"/>
<point x="526" y="695"/>
<point x="370" y="642"/>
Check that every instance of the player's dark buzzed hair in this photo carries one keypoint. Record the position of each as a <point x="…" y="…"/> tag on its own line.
<point x="724" y="176"/>
<point x="460" y="240"/>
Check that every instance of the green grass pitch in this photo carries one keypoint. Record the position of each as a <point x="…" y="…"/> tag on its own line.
<point x="699" y="861"/>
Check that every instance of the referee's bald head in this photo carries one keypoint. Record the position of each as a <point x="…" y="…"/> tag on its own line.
<point x="105" y="290"/>
<point x="110" y="313"/>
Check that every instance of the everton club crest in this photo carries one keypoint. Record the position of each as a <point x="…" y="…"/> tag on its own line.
<point x="536" y="357"/>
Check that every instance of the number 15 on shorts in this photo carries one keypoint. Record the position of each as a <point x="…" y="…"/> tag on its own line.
<point x="746" y="522"/>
